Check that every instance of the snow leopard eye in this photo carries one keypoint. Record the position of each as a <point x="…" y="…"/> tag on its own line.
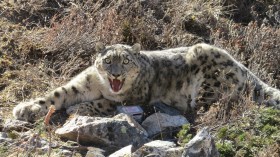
<point x="125" y="61"/>
<point x="108" y="61"/>
<point x="32" y="116"/>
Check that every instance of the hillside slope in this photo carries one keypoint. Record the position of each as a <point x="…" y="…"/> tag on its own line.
<point x="43" y="43"/>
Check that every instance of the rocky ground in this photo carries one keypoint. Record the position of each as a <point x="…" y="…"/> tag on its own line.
<point x="43" y="43"/>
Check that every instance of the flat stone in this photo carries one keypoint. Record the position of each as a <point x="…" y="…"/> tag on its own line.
<point x="159" y="148"/>
<point x="107" y="132"/>
<point x="17" y="125"/>
<point x="158" y="122"/>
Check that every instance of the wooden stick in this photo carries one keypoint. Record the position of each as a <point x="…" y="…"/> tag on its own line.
<point x="49" y="114"/>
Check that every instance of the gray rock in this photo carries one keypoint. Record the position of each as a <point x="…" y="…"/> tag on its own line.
<point x="65" y="152"/>
<point x="131" y="121"/>
<point x="44" y="149"/>
<point x="273" y="14"/>
<point x="201" y="145"/>
<point x="125" y="151"/>
<point x="17" y="125"/>
<point x="108" y="132"/>
<point x="3" y="135"/>
<point x="4" y="138"/>
<point x="158" y="122"/>
<point x="159" y="148"/>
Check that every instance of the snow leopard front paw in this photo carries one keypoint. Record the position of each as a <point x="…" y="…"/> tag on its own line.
<point x="29" y="111"/>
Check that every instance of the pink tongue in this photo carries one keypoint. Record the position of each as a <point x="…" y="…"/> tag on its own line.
<point x="116" y="85"/>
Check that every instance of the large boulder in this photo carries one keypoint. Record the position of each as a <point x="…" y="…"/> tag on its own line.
<point x="201" y="145"/>
<point x="158" y="122"/>
<point x="113" y="132"/>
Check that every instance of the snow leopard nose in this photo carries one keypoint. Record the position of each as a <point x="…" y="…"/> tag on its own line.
<point x="116" y="70"/>
<point x="116" y="75"/>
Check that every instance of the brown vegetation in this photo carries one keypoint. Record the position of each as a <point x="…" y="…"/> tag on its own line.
<point x="43" y="43"/>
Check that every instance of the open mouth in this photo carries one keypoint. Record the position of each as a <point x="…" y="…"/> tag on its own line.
<point x="116" y="84"/>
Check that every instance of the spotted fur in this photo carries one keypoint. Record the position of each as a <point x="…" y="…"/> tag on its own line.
<point x="176" y="77"/>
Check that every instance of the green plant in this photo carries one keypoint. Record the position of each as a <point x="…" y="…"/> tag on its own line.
<point x="222" y="132"/>
<point x="249" y="135"/>
<point x="3" y="149"/>
<point x="13" y="134"/>
<point x="226" y="148"/>
<point x="184" y="135"/>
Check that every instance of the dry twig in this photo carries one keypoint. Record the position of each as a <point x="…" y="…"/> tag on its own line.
<point x="49" y="114"/>
<point x="47" y="123"/>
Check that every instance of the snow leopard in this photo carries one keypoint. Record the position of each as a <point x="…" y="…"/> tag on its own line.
<point x="182" y="77"/>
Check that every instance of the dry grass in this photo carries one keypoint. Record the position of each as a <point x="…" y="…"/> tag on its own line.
<point x="45" y="43"/>
<point x="66" y="47"/>
<point x="256" y="47"/>
<point x="35" y="13"/>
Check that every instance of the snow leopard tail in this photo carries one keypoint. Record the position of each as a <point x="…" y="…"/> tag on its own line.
<point x="262" y="92"/>
<point x="220" y="59"/>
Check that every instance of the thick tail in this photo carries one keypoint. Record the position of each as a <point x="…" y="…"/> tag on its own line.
<point x="262" y="92"/>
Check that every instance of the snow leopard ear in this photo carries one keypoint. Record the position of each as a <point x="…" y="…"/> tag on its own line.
<point x="99" y="47"/>
<point x="136" y="48"/>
